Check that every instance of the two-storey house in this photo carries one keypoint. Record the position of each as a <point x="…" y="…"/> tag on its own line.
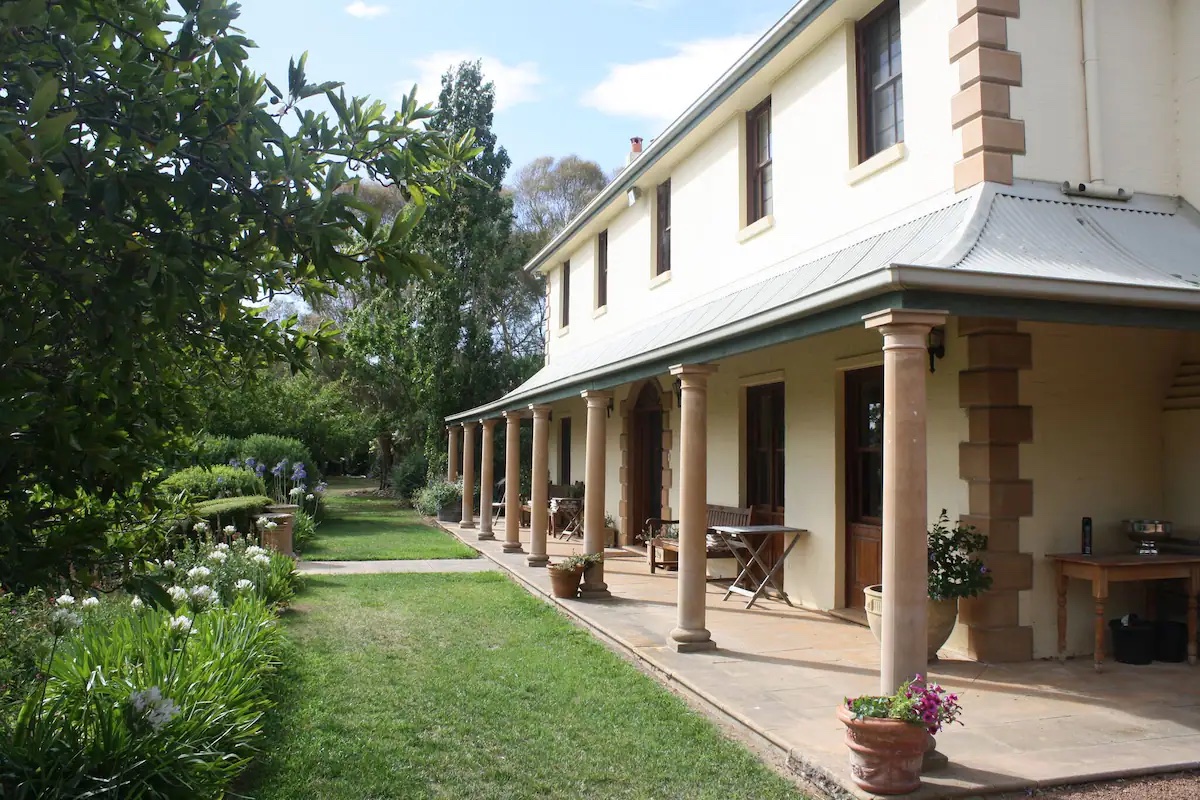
<point x="901" y="257"/>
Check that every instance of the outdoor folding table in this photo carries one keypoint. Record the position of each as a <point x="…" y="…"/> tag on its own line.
<point x="571" y="510"/>
<point x="748" y="543"/>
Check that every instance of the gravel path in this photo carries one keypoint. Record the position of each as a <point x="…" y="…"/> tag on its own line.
<point x="1180" y="786"/>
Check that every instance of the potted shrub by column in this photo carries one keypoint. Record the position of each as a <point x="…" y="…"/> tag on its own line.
<point x="440" y="499"/>
<point x="887" y="736"/>
<point x="565" y="575"/>
<point x="954" y="572"/>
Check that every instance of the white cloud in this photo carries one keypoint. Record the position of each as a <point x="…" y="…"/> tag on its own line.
<point x="515" y="83"/>
<point x="659" y="89"/>
<point x="365" y="10"/>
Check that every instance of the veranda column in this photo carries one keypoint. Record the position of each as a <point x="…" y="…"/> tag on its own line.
<point x="452" y="454"/>
<point x="905" y="553"/>
<point x="512" y="482"/>
<point x="468" y="497"/>
<point x="593" y="492"/>
<point x="690" y="633"/>
<point x="539" y="500"/>
<point x="487" y="483"/>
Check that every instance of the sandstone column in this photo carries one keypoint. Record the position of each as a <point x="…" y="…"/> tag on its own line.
<point x="452" y="454"/>
<point x="905" y="500"/>
<point x="512" y="482"/>
<point x="690" y="633"/>
<point x="487" y="487"/>
<point x="468" y="497"/>
<point x="593" y="499"/>
<point x="539" y="499"/>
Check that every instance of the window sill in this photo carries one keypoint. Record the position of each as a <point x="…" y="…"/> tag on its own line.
<point x="659" y="280"/>
<point x="600" y="312"/>
<point x="877" y="163"/>
<point x="564" y="331"/>
<point x="760" y="225"/>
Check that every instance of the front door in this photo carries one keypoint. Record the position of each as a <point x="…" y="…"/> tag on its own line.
<point x="864" y="482"/>
<point x="646" y="457"/>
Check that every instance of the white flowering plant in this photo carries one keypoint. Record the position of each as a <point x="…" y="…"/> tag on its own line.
<point x="220" y="566"/>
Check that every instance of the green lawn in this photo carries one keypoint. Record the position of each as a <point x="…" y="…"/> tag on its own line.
<point x="373" y="528"/>
<point x="465" y="686"/>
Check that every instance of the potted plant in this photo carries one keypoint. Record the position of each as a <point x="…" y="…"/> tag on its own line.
<point x="442" y="499"/>
<point x="565" y="575"/>
<point x="887" y="736"/>
<point x="610" y="529"/>
<point x="954" y="572"/>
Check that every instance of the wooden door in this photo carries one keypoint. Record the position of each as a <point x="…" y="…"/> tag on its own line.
<point x="864" y="482"/>
<point x="765" y="460"/>
<point x="646" y="457"/>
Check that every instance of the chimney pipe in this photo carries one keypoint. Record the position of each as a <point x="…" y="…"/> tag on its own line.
<point x="635" y="149"/>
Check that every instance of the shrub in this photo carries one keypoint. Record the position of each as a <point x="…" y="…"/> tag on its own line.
<point x="241" y="512"/>
<point x="24" y="643"/>
<point x="304" y="530"/>
<point x="211" y="483"/>
<point x="271" y="576"/>
<point x="436" y="495"/>
<point x="270" y="450"/>
<point x="136" y="707"/>
<point x="211" y="451"/>
<point x="408" y="476"/>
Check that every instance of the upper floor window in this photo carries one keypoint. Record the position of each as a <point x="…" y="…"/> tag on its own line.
<point x="602" y="269"/>
<point x="662" y="228"/>
<point x="564" y="315"/>
<point x="880" y="89"/>
<point x="758" y="162"/>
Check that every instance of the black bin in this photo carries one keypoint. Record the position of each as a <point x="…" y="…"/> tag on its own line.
<point x="1132" y="643"/>
<point x="1170" y="641"/>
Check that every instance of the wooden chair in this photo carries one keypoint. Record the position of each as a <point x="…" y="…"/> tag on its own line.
<point x="717" y="515"/>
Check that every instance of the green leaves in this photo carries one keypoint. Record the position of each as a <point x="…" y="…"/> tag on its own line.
<point x="43" y="98"/>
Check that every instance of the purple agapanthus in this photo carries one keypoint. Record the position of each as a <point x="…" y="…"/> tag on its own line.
<point x="298" y="472"/>
<point x="233" y="462"/>
<point x="278" y="469"/>
<point x="321" y="487"/>
<point x="250" y="462"/>
<point x="260" y="469"/>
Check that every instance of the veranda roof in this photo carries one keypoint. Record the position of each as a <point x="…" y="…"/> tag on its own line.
<point x="998" y="250"/>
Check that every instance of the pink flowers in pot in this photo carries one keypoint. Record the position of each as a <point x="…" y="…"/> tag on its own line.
<point x="915" y="702"/>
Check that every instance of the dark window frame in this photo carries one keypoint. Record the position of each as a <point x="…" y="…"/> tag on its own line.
<point x="769" y="454"/>
<point x="564" y="451"/>
<point x="564" y="313"/>
<point x="662" y="228"/>
<point x="867" y="124"/>
<point x="602" y="269"/>
<point x="858" y="383"/>
<point x="759" y="170"/>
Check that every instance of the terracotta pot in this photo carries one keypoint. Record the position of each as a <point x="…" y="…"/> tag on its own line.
<point x="885" y="754"/>
<point x="279" y="539"/>
<point x="565" y="583"/>
<point x="942" y="616"/>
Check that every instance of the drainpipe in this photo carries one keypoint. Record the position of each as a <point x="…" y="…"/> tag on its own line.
<point x="1095" y="187"/>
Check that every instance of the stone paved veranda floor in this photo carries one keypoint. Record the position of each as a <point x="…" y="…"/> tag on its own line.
<point x="781" y="672"/>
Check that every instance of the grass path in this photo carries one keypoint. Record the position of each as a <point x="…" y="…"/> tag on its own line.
<point x="464" y="686"/>
<point x="371" y="528"/>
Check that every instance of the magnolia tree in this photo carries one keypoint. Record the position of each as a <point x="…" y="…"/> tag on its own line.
<point x="151" y="188"/>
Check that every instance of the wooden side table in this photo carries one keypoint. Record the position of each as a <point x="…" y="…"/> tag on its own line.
<point x="1103" y="570"/>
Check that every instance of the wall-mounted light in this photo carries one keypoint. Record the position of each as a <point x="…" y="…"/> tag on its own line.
<point x="936" y="346"/>
<point x="631" y="197"/>
<point x="678" y="393"/>
<point x="608" y="411"/>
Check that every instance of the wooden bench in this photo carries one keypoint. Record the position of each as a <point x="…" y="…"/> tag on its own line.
<point x="717" y="515"/>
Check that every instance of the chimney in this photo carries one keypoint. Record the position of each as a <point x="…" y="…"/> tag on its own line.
<point x="635" y="149"/>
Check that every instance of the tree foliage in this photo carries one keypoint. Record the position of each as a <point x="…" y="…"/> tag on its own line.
<point x="548" y="194"/>
<point x="148" y="187"/>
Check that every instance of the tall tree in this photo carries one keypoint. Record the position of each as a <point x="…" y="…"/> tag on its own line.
<point x="148" y="187"/>
<point x="549" y="193"/>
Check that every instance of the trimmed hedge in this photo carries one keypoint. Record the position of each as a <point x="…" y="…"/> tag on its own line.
<point x="240" y="512"/>
<point x="211" y="483"/>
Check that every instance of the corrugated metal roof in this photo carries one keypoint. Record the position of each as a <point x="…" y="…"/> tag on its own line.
<point x="1026" y="231"/>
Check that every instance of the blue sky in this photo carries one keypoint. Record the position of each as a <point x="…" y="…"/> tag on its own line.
<point x="572" y="76"/>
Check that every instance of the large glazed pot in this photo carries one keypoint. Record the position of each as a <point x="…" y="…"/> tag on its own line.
<point x="885" y="754"/>
<point x="942" y="616"/>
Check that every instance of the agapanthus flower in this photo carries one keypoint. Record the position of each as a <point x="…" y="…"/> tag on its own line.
<point x="321" y="487"/>
<point x="244" y="585"/>
<point x="177" y="594"/>
<point x="168" y="564"/>
<point x="310" y="497"/>
<point x="180" y="624"/>
<point x="278" y="469"/>
<point x="220" y="479"/>
<point x="251" y="462"/>
<point x="63" y="620"/>
<point x="297" y="491"/>
<point x="298" y="472"/>
<point x="218" y="555"/>
<point x="222" y="546"/>
<point x="260" y="469"/>
<point x="233" y="462"/>
<point x="230" y="529"/>
<point x="202" y="597"/>
<point x="255" y="550"/>
<point x="201" y="527"/>
<point x="156" y="709"/>
<point x="90" y="602"/>
<point x="136" y="603"/>
<point x="199" y="573"/>
<point x="62" y="601"/>
<point x="261" y="558"/>
<point x="270" y="525"/>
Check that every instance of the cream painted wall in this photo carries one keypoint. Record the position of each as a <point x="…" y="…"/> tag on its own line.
<point x="1097" y="452"/>
<point x="812" y="107"/>
<point x="1149" y="103"/>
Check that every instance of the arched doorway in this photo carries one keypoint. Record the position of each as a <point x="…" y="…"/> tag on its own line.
<point x="645" y="457"/>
